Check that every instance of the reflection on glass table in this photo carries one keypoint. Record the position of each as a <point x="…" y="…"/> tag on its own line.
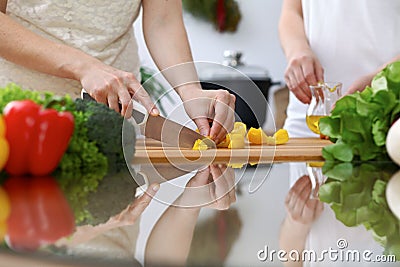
<point x="355" y="228"/>
<point x="213" y="216"/>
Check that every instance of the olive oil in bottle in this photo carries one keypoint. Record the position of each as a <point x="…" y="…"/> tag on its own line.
<point x="313" y="122"/>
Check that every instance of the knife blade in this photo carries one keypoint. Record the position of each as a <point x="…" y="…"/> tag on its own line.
<point x="162" y="129"/>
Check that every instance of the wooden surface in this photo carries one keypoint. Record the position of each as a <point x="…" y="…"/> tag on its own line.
<point x="296" y="150"/>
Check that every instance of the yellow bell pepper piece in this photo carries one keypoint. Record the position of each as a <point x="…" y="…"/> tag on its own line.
<point x="257" y="136"/>
<point x="200" y="145"/>
<point x="240" y="128"/>
<point x="225" y="143"/>
<point x="4" y="147"/>
<point x="236" y="140"/>
<point x="236" y="165"/>
<point x="281" y="137"/>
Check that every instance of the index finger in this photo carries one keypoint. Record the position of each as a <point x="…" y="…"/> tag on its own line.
<point x="144" y="98"/>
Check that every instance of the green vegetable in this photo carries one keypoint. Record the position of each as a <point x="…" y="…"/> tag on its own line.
<point x="105" y="129"/>
<point x="356" y="193"/>
<point x="360" y="122"/>
<point x="95" y="148"/>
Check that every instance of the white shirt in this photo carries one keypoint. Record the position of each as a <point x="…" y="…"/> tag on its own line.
<point x="351" y="38"/>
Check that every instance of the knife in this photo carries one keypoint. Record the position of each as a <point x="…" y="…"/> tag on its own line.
<point x="162" y="129"/>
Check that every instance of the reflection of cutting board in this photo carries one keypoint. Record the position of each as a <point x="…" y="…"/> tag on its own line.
<point x="297" y="149"/>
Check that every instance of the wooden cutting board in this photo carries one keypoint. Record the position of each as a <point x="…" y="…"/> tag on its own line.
<point x="296" y="150"/>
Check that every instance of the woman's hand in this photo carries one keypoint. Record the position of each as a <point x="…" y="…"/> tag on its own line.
<point x="360" y="84"/>
<point x="205" y="106"/>
<point x="213" y="187"/>
<point x="302" y="209"/>
<point x="303" y="70"/>
<point x="115" y="88"/>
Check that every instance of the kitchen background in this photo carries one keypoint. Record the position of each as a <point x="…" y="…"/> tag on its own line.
<point x="257" y="38"/>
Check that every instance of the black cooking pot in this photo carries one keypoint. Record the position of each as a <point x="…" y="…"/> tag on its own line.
<point x="249" y="84"/>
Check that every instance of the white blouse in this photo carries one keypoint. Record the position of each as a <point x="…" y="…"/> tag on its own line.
<point x="102" y="29"/>
<point x="351" y="38"/>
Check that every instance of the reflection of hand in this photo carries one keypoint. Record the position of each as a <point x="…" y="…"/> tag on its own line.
<point x="303" y="70"/>
<point x="112" y="86"/>
<point x="216" y="105"/>
<point x="127" y="217"/>
<point x="301" y="209"/>
<point x="213" y="187"/>
<point x="360" y="84"/>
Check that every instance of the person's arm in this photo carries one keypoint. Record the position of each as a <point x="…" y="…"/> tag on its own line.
<point x="104" y="83"/>
<point x="302" y="211"/>
<point x="171" y="237"/>
<point x="362" y="82"/>
<point x="303" y="67"/>
<point x="167" y="41"/>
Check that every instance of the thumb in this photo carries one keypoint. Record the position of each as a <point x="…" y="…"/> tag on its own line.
<point x="141" y="203"/>
<point x="203" y="126"/>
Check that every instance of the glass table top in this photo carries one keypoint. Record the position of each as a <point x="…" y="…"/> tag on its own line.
<point x="281" y="214"/>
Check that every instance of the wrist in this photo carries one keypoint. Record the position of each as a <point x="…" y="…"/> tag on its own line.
<point x="298" y="229"/>
<point x="76" y="70"/>
<point x="184" y="90"/>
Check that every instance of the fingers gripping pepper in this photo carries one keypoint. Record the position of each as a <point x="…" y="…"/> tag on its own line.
<point x="37" y="137"/>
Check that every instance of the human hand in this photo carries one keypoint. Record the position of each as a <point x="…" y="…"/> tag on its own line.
<point x="127" y="217"/>
<point x="360" y="84"/>
<point x="115" y="88"/>
<point x="131" y="213"/>
<point x="213" y="187"/>
<point x="204" y="106"/>
<point x="303" y="70"/>
<point x="300" y="207"/>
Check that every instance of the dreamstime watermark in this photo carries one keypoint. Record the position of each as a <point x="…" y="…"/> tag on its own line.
<point x="338" y="254"/>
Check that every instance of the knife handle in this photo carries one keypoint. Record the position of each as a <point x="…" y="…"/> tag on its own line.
<point x="139" y="112"/>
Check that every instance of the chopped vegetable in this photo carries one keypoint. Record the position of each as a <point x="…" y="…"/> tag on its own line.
<point x="200" y="145"/>
<point x="37" y="137"/>
<point x="240" y="127"/>
<point x="259" y="137"/>
<point x="236" y="140"/>
<point x="281" y="137"/>
<point x="256" y="136"/>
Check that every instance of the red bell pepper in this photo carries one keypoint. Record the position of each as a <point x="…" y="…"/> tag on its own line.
<point x="40" y="214"/>
<point x="38" y="137"/>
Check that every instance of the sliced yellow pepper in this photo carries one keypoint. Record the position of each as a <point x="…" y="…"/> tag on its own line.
<point x="236" y="165"/>
<point x="259" y="137"/>
<point x="240" y="128"/>
<point x="236" y="141"/>
<point x="200" y="145"/>
<point x="281" y="137"/>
